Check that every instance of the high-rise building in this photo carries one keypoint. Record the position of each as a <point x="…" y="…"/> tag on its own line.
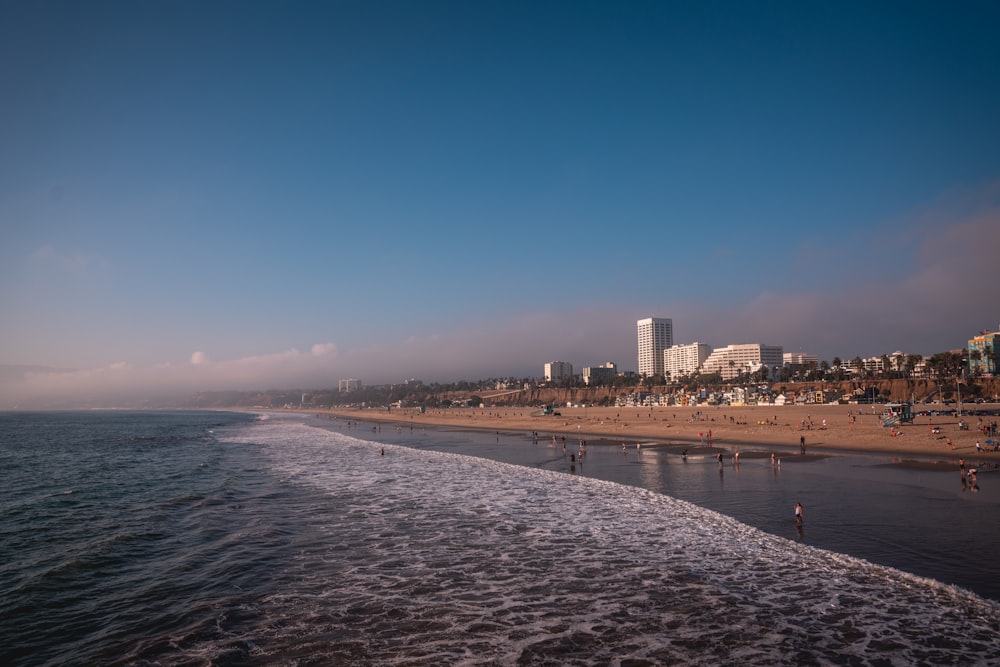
<point x="556" y="371"/>
<point x="681" y="360"/>
<point x="656" y="334"/>
<point x="734" y="360"/>
<point x="350" y="384"/>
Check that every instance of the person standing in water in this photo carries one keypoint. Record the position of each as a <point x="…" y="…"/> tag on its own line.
<point x="798" y="513"/>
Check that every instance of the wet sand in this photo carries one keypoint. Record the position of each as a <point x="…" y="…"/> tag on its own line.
<point x="824" y="428"/>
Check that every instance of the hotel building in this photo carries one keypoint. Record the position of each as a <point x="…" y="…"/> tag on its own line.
<point x="656" y="334"/>
<point x="681" y="360"/>
<point x="556" y="371"/>
<point x="732" y="360"/>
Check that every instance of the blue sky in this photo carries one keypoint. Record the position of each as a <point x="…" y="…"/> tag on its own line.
<point x="216" y="194"/>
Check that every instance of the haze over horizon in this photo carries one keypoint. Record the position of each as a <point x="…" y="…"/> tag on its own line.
<point x="219" y="196"/>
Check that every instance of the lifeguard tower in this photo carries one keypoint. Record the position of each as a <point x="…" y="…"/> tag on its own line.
<point x="896" y="414"/>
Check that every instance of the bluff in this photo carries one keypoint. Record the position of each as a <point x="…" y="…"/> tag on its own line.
<point x="915" y="390"/>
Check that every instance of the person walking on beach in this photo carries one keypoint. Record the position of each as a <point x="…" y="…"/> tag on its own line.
<point x="802" y="444"/>
<point x="798" y="514"/>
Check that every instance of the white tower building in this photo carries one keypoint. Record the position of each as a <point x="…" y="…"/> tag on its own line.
<point x="732" y="360"/>
<point x="656" y="334"/>
<point x="681" y="360"/>
<point x="558" y="370"/>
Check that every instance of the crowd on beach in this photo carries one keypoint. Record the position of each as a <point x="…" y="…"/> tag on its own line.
<point x="712" y="429"/>
<point x="832" y="427"/>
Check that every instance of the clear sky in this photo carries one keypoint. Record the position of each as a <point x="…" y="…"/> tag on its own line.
<point x="206" y="195"/>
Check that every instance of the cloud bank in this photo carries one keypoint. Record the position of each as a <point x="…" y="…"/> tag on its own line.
<point x="125" y="382"/>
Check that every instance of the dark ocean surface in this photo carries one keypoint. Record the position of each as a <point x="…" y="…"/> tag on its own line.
<point x="200" y="538"/>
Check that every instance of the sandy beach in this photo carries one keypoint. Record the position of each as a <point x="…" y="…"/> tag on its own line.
<point x="827" y="428"/>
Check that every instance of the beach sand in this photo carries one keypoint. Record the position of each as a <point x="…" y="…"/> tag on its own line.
<point x="826" y="428"/>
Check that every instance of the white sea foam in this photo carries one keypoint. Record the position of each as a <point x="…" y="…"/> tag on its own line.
<point x="437" y="558"/>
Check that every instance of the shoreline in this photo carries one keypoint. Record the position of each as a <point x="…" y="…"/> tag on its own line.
<point x="829" y="429"/>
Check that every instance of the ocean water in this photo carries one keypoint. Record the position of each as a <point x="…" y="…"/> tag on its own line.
<point x="215" y="539"/>
<point x="912" y="514"/>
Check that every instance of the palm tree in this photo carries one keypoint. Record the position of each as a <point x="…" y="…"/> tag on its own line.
<point x="838" y="368"/>
<point x="959" y="361"/>
<point x="935" y="365"/>
<point x="976" y="356"/>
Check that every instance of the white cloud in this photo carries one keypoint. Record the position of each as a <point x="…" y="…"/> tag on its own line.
<point x="323" y="349"/>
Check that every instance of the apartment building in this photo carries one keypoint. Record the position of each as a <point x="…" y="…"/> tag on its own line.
<point x="733" y="360"/>
<point x="656" y="334"/>
<point x="556" y="371"/>
<point x="681" y="360"/>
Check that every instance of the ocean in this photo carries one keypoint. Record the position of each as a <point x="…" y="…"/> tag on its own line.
<point x="200" y="538"/>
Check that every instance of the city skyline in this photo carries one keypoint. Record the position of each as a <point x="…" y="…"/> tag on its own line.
<point x="273" y="195"/>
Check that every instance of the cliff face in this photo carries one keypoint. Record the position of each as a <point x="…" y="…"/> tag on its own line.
<point x="916" y="390"/>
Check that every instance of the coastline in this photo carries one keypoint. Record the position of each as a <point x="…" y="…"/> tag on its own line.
<point x="825" y="428"/>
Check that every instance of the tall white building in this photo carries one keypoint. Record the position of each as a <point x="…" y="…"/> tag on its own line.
<point x="656" y="334"/>
<point x="558" y="370"/>
<point x="732" y="360"/>
<point x="681" y="360"/>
